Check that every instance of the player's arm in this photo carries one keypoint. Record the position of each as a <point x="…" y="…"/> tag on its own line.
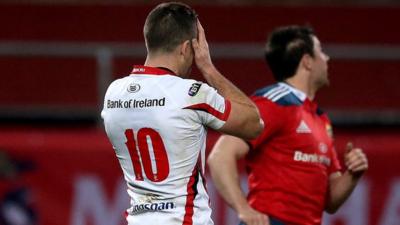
<point x="342" y="185"/>
<point x="223" y="167"/>
<point x="244" y="119"/>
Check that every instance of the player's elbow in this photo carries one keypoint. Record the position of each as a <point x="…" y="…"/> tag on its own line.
<point x="331" y="209"/>
<point x="249" y="129"/>
<point x="212" y="160"/>
<point x="255" y="125"/>
<point x="259" y="127"/>
<point x="245" y="124"/>
<point x="215" y="160"/>
<point x="254" y="128"/>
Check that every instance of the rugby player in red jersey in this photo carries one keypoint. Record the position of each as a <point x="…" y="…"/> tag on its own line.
<point x="293" y="170"/>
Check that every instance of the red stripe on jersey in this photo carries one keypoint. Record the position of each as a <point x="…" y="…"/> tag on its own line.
<point x="209" y="109"/>
<point x="191" y="195"/>
<point x="151" y="70"/>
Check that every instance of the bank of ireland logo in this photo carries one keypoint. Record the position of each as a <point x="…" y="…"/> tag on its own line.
<point x="133" y="88"/>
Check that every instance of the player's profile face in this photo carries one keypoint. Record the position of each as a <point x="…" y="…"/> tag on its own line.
<point x="321" y="63"/>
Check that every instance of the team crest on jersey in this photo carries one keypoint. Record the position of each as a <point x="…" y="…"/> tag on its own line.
<point x="133" y="88"/>
<point x="323" y="147"/>
<point x="194" y="89"/>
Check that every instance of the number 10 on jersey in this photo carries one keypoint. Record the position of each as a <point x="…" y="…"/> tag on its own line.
<point x="141" y="155"/>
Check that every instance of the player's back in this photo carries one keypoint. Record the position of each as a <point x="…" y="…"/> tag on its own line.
<point x="159" y="141"/>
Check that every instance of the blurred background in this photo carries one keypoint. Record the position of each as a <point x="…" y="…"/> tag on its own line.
<point x="58" y="56"/>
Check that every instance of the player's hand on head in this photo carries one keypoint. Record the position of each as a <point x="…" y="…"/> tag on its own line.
<point x="201" y="51"/>
<point x="355" y="160"/>
<point x="250" y="216"/>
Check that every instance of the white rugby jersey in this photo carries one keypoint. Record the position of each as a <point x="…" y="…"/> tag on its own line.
<point x="156" y="122"/>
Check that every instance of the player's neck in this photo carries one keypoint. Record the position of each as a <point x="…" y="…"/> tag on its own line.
<point x="163" y="61"/>
<point x="303" y="85"/>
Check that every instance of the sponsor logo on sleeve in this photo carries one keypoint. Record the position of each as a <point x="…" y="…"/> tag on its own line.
<point x="194" y="89"/>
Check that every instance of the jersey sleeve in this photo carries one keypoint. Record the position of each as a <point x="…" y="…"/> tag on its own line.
<point x="213" y="109"/>
<point x="335" y="164"/>
<point x="271" y="115"/>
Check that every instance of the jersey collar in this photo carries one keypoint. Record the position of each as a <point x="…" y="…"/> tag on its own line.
<point x="138" y="69"/>
<point x="299" y="94"/>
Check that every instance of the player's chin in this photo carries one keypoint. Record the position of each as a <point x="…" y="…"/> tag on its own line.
<point x="323" y="82"/>
<point x="327" y="82"/>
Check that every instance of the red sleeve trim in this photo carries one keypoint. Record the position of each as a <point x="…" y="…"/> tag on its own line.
<point x="209" y="109"/>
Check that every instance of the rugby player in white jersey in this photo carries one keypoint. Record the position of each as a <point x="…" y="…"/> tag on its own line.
<point x="157" y="119"/>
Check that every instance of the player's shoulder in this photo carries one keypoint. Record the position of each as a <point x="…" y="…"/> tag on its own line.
<point x="116" y="84"/>
<point x="121" y="81"/>
<point x="277" y="94"/>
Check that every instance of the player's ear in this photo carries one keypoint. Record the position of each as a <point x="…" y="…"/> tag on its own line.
<point x="306" y="61"/>
<point x="186" y="47"/>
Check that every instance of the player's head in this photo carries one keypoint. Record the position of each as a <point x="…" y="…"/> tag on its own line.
<point x="296" y="47"/>
<point x="170" y="26"/>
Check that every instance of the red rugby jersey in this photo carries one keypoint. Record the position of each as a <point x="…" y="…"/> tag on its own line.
<point x="290" y="162"/>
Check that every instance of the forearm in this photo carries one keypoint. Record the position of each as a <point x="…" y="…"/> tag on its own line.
<point x="223" y="166"/>
<point x="244" y="120"/>
<point x="341" y="186"/>
<point x="225" y="87"/>
<point x="244" y="114"/>
<point x="340" y="189"/>
<point x="225" y="175"/>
